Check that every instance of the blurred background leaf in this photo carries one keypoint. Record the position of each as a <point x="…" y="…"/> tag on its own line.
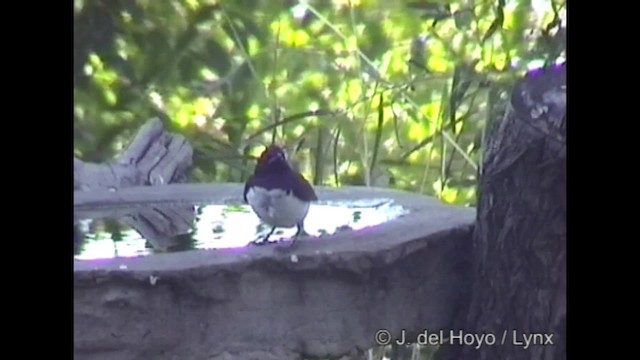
<point x="379" y="93"/>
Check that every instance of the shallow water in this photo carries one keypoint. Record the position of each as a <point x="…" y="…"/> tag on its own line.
<point x="155" y="229"/>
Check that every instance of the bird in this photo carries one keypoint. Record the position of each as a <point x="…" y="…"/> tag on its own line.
<point x="279" y="195"/>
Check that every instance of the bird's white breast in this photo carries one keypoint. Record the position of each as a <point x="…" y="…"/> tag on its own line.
<point x="276" y="208"/>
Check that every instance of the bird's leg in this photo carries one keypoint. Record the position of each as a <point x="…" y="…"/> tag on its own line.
<point x="263" y="240"/>
<point x="288" y="245"/>
<point x="266" y="238"/>
<point x="301" y="230"/>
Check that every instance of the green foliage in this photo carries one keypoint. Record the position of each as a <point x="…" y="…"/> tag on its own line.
<point x="405" y="89"/>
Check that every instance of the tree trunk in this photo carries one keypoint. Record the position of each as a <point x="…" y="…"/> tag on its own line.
<point x="518" y="299"/>
<point x="155" y="157"/>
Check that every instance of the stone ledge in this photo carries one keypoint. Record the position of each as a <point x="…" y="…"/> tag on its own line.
<point x="324" y="299"/>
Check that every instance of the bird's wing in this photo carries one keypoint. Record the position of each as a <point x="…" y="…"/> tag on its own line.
<point x="247" y="185"/>
<point x="304" y="190"/>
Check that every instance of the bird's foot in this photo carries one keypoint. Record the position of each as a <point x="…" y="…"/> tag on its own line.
<point x="259" y="241"/>
<point x="301" y="232"/>
<point x="263" y="240"/>
<point x="292" y="243"/>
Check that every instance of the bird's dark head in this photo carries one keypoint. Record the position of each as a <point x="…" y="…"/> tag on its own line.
<point x="273" y="172"/>
<point x="272" y="159"/>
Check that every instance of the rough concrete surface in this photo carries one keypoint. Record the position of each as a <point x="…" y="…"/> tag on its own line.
<point x="321" y="299"/>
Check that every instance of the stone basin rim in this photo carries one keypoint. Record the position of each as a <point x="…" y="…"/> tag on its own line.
<point x="427" y="218"/>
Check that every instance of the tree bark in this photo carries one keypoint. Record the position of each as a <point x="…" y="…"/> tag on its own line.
<point x="519" y="242"/>
<point x="154" y="157"/>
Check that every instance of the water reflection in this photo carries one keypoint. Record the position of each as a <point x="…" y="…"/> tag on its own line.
<point x="154" y="229"/>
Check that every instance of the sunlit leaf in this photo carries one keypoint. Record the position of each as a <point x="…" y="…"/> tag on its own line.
<point x="316" y="80"/>
<point x="110" y="97"/>
<point x="516" y="22"/>
<point x="254" y="112"/>
<point x="437" y="61"/>
<point x="300" y="39"/>
<point x="437" y="64"/>
<point x="449" y="195"/>
<point x="417" y="131"/>
<point x="204" y="106"/>
<point x="183" y="117"/>
<point x="354" y="90"/>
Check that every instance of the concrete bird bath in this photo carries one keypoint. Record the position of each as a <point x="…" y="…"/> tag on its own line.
<point x="325" y="297"/>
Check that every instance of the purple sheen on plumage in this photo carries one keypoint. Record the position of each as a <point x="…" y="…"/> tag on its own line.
<point x="273" y="172"/>
<point x="272" y="159"/>
<point x="272" y="153"/>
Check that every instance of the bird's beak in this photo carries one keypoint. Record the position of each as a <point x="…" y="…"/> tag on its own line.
<point x="277" y="158"/>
